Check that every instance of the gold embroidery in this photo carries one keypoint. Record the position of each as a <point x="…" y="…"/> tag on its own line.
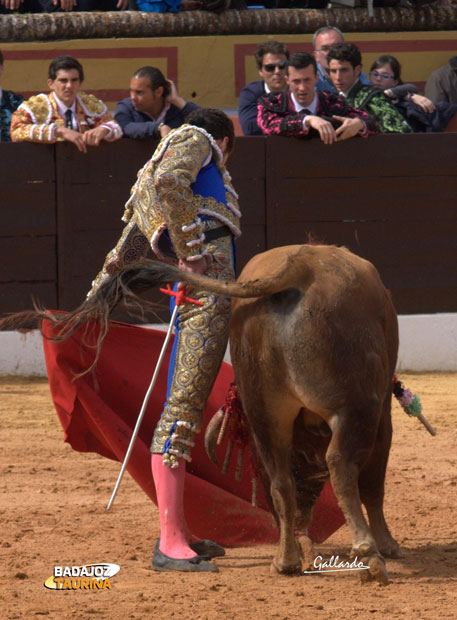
<point x="202" y="342"/>
<point x="94" y="106"/>
<point x="162" y="195"/>
<point x="34" y="120"/>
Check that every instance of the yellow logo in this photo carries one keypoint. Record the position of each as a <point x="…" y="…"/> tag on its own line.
<point x="87" y="577"/>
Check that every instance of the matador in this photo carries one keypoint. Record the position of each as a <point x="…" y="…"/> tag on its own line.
<point x="183" y="205"/>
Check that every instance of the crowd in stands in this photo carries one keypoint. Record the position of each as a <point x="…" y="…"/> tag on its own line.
<point x="53" y="6"/>
<point x="66" y="113"/>
<point x="175" y="6"/>
<point x="324" y="94"/>
<point x="316" y="94"/>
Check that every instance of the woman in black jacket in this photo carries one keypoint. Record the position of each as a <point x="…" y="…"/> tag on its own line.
<point x="421" y="113"/>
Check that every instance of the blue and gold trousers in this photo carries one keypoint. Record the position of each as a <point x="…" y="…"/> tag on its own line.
<point x="199" y="347"/>
<point x="200" y="342"/>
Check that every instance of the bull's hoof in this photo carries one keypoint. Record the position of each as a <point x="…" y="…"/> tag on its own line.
<point x="306" y="552"/>
<point x="362" y="550"/>
<point x="392" y="550"/>
<point x="285" y="569"/>
<point x="376" y="572"/>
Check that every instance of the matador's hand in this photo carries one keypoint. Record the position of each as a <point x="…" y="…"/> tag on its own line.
<point x="194" y="266"/>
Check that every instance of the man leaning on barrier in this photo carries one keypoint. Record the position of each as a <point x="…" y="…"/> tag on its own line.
<point x="66" y="113"/>
<point x="345" y="65"/>
<point x="303" y="111"/>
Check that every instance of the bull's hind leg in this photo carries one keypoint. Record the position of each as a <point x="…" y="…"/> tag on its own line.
<point x="353" y="437"/>
<point x="371" y="486"/>
<point x="272" y="426"/>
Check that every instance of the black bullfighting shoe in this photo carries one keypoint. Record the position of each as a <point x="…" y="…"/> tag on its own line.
<point x="162" y="562"/>
<point x="208" y="549"/>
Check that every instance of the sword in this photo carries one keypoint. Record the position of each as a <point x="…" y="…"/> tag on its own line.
<point x="180" y="297"/>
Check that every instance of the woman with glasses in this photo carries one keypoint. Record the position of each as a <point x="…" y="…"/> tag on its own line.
<point x="419" y="111"/>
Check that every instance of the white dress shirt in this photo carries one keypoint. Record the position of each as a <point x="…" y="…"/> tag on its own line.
<point x="312" y="108"/>
<point x="62" y="107"/>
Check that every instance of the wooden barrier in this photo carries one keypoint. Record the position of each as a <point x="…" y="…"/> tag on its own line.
<point x="390" y="199"/>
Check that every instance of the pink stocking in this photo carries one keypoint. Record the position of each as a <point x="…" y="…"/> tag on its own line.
<point x="169" y="484"/>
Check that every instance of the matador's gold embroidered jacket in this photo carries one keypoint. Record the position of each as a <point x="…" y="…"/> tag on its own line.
<point x="38" y="118"/>
<point x="170" y="192"/>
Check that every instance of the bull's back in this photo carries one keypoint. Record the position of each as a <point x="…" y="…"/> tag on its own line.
<point x="336" y="322"/>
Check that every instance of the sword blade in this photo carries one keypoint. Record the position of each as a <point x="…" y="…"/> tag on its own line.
<point x="144" y="405"/>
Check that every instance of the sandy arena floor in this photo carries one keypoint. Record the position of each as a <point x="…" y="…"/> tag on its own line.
<point x="52" y="506"/>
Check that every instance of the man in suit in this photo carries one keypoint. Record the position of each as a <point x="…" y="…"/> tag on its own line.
<point x="271" y="59"/>
<point x="302" y="110"/>
<point x="154" y="107"/>
<point x="345" y="65"/>
<point x="66" y="113"/>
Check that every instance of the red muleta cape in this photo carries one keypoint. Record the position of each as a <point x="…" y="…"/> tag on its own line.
<point x="98" y="413"/>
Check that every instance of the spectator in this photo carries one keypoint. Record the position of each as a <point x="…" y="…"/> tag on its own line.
<point x="271" y="58"/>
<point x="154" y="106"/>
<point x="442" y="83"/>
<point x="53" y="6"/>
<point x="323" y="39"/>
<point x="419" y="111"/>
<point x="12" y="6"/>
<point x="385" y="74"/>
<point x="65" y="113"/>
<point x="9" y="102"/>
<point x="302" y="108"/>
<point x="345" y="65"/>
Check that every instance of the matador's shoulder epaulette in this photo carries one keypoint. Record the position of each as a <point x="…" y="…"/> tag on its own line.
<point x="39" y="107"/>
<point x="91" y="105"/>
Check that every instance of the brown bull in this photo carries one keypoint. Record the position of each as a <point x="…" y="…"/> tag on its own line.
<point x="314" y="341"/>
<point x="313" y="364"/>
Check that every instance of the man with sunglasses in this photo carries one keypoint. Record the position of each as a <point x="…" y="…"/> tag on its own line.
<point x="271" y="58"/>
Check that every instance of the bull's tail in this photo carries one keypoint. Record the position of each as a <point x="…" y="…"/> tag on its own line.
<point x="148" y="274"/>
<point x="123" y="287"/>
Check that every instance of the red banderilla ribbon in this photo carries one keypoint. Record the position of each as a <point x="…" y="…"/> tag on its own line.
<point x="180" y="296"/>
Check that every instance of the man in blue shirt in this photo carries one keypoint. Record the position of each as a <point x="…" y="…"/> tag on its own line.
<point x="154" y="107"/>
<point x="323" y="39"/>
<point x="271" y="59"/>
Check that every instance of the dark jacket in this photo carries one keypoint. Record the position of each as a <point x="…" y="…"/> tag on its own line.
<point x="247" y="107"/>
<point x="422" y="121"/>
<point x="9" y="103"/>
<point x="140" y="126"/>
<point x="379" y="107"/>
<point x="277" y="115"/>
